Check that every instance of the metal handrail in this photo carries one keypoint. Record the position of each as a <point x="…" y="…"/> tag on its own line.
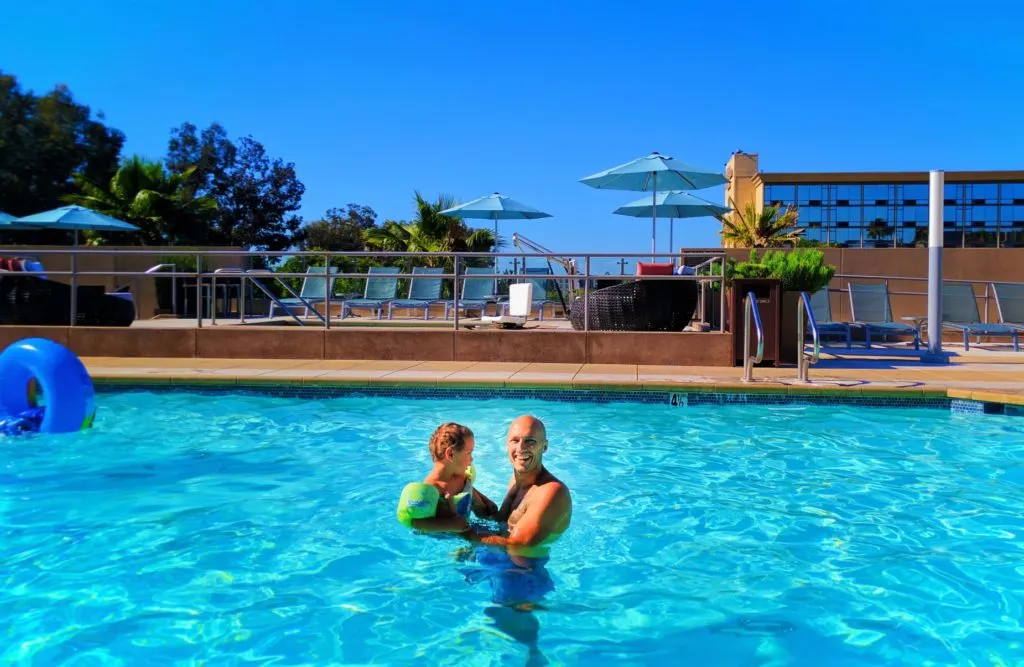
<point x="804" y="360"/>
<point x="250" y="278"/>
<point x="750" y="307"/>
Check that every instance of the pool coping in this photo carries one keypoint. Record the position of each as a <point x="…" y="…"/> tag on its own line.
<point x="766" y="389"/>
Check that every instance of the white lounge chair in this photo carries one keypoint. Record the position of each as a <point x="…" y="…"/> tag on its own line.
<point x="520" y="303"/>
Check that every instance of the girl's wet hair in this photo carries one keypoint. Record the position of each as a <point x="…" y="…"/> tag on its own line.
<point x="448" y="435"/>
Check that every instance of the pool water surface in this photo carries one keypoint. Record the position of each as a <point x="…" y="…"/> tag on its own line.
<point x="189" y="529"/>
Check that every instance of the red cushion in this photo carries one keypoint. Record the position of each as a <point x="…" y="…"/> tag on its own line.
<point x="653" y="269"/>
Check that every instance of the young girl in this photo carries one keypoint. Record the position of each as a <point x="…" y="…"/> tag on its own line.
<point x="443" y="500"/>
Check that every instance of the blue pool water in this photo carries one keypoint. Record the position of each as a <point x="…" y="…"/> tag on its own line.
<point x="191" y="529"/>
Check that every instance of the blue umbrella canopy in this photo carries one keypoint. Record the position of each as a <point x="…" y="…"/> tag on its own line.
<point x="74" y="219"/>
<point x="652" y="172"/>
<point x="673" y="204"/>
<point x="495" y="207"/>
<point x="7" y="222"/>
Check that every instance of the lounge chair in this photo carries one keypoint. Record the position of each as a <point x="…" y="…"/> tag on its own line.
<point x="477" y="293"/>
<point x="379" y="292"/>
<point x="871" y="309"/>
<point x="520" y="299"/>
<point x="540" y="290"/>
<point x="314" y="290"/>
<point x="423" y="292"/>
<point x="1010" y="303"/>
<point x="821" y="306"/>
<point x="960" y="313"/>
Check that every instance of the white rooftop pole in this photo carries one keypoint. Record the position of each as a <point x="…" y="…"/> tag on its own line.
<point x="936" y="183"/>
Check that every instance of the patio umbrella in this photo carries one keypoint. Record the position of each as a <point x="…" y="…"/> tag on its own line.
<point x="74" y="219"/>
<point x="495" y="207"/>
<point x="672" y="204"/>
<point x="7" y="221"/>
<point x="650" y="172"/>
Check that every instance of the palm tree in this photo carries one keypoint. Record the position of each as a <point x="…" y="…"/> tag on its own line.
<point x="429" y="231"/>
<point x="156" y="201"/>
<point x="770" y="228"/>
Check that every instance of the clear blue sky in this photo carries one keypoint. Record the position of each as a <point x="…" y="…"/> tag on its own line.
<point x="375" y="100"/>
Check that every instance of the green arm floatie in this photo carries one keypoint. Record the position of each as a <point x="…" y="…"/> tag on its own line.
<point x="418" y="501"/>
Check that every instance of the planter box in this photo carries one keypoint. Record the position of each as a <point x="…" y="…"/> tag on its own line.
<point x="769" y="302"/>
<point x="789" y="346"/>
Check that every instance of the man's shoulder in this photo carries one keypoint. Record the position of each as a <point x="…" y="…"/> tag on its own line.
<point x="556" y="489"/>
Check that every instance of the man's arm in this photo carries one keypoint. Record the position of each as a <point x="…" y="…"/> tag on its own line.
<point x="542" y="517"/>
<point x="446" y="524"/>
<point x="483" y="507"/>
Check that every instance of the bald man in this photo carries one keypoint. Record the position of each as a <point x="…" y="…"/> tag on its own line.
<point x="537" y="506"/>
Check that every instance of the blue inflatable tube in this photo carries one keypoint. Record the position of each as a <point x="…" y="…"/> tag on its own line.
<point x="37" y="363"/>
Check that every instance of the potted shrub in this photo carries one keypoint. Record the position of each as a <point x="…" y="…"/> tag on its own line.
<point x="798" y="270"/>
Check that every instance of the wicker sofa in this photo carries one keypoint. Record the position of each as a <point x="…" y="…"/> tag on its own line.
<point x="642" y="305"/>
<point x="38" y="301"/>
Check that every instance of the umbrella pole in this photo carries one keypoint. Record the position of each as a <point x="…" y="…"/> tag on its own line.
<point x="671" y="231"/>
<point x="654" y="217"/>
<point x="74" y="281"/>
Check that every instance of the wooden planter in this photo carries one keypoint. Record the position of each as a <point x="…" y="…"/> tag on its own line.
<point x="789" y="347"/>
<point x="769" y="298"/>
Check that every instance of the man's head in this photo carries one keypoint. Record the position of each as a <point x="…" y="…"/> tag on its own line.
<point x="452" y="444"/>
<point x="526" y="443"/>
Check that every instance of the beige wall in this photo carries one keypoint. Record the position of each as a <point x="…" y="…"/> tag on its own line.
<point x="96" y="259"/>
<point x="742" y="187"/>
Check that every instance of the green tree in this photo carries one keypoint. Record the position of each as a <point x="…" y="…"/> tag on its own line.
<point x="257" y="195"/>
<point x="771" y="227"/>
<point x="429" y="231"/>
<point x="145" y="194"/>
<point x="44" y="141"/>
<point x="339" y="230"/>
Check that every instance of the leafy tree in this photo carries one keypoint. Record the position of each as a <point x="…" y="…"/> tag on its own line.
<point x="339" y="230"/>
<point x="256" y="195"/>
<point x="145" y="194"/>
<point x="769" y="228"/>
<point x="44" y="141"/>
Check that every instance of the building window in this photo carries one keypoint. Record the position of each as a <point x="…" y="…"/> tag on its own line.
<point x="982" y="193"/>
<point x="851" y="194"/>
<point x="915" y="192"/>
<point x="880" y="194"/>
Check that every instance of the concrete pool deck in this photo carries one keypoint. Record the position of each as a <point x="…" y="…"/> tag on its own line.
<point x="980" y="375"/>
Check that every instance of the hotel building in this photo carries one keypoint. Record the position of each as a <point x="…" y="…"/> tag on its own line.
<point x="982" y="209"/>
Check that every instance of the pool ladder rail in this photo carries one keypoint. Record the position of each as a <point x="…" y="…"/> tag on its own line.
<point x="804" y="321"/>
<point x="750" y="310"/>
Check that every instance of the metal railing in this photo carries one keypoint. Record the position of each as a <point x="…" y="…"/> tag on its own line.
<point x="207" y="279"/>
<point x="804" y="360"/>
<point x="986" y="295"/>
<point x="750" y="309"/>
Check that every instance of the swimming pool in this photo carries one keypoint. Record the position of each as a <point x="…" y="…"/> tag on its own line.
<point x="189" y="528"/>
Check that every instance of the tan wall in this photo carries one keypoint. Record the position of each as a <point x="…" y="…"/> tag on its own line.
<point x="97" y="259"/>
<point x="236" y="342"/>
<point x="978" y="264"/>
<point x="741" y="170"/>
